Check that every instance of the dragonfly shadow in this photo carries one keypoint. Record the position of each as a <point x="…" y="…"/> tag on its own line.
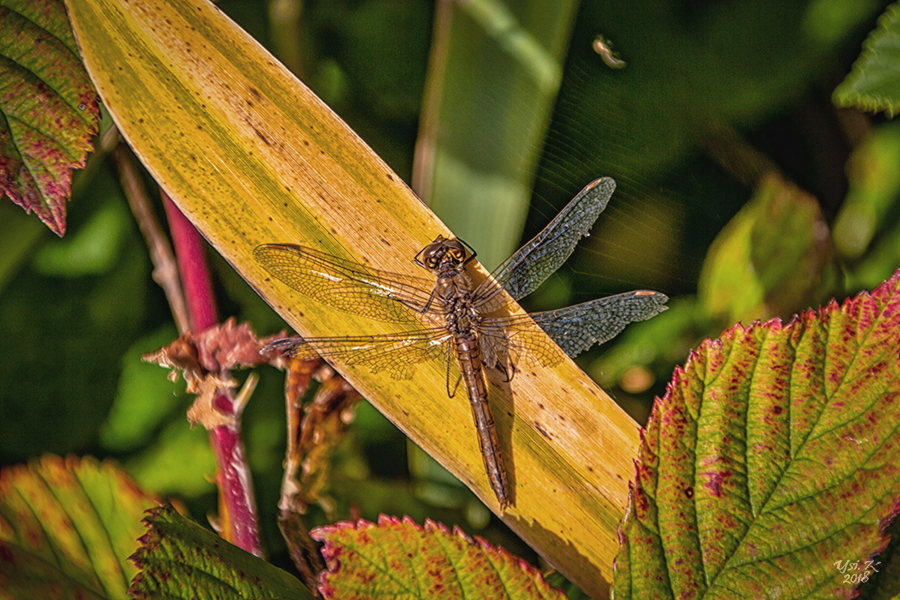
<point x="503" y="401"/>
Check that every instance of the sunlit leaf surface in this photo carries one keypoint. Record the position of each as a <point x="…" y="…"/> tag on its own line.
<point x="772" y="461"/>
<point x="67" y="527"/>
<point x="178" y="558"/>
<point x="399" y="559"/>
<point x="874" y="82"/>
<point x="752" y="269"/>
<point x="48" y="107"/>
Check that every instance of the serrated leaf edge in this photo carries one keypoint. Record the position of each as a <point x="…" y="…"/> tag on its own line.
<point x="331" y="550"/>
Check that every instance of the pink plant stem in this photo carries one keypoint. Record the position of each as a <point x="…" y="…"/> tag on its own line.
<point x="233" y="473"/>
<point x="195" y="277"/>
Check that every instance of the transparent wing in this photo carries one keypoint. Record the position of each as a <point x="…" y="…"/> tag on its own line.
<point x="398" y="354"/>
<point x="577" y="328"/>
<point x="574" y="328"/>
<point x="346" y="285"/>
<point x="530" y="265"/>
<point x="505" y="341"/>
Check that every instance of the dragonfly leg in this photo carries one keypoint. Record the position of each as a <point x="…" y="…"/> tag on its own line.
<point x="427" y="304"/>
<point x="450" y="391"/>
<point x="508" y="370"/>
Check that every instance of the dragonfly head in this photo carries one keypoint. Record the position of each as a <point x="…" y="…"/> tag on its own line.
<point x="443" y="252"/>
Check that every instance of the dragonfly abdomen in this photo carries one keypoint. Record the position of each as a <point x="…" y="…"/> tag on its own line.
<point x="468" y="354"/>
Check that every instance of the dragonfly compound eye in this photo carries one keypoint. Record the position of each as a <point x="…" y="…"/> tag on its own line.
<point x="455" y="250"/>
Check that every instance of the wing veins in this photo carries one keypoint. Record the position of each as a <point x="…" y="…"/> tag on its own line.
<point x="347" y="285"/>
<point x="530" y="265"/>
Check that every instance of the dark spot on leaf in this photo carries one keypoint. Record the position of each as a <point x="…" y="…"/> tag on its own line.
<point x="689" y="492"/>
<point x="716" y="481"/>
<point x="7" y="557"/>
<point x="260" y="135"/>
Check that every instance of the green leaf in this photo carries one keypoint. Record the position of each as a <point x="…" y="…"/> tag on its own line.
<point x="93" y="249"/>
<point x="874" y="184"/>
<point x="772" y="461"/>
<point x="143" y="400"/>
<point x="493" y="80"/>
<point x="399" y="559"/>
<point x="179" y="557"/>
<point x="48" y="109"/>
<point x="874" y="81"/>
<point x="752" y="269"/>
<point x="162" y="466"/>
<point x="67" y="527"/>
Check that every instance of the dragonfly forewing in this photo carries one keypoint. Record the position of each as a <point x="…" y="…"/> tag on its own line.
<point x="524" y="271"/>
<point x="346" y="285"/>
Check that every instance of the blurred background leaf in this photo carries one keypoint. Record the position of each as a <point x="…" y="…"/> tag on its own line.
<point x="493" y="78"/>
<point x="67" y="528"/>
<point x="722" y="114"/>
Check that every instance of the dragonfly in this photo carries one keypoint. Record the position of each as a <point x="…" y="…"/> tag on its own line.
<point x="471" y="324"/>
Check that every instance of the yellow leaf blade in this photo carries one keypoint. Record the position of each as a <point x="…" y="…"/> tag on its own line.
<point x="252" y="157"/>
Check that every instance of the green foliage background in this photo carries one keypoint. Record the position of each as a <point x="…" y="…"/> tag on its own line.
<point x="715" y="95"/>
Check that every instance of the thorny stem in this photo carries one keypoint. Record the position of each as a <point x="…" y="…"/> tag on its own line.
<point x="194" y="308"/>
<point x="237" y="505"/>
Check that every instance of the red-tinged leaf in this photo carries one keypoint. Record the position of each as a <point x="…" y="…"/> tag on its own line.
<point x="399" y="559"/>
<point x="179" y="559"/>
<point x="773" y="461"/>
<point x="49" y="107"/>
<point x="67" y="527"/>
